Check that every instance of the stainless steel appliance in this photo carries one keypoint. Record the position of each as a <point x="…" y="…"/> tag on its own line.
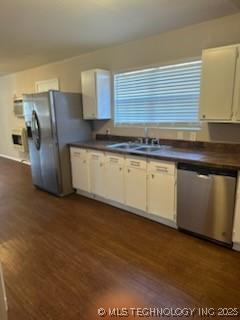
<point x="53" y="120"/>
<point x="205" y="201"/>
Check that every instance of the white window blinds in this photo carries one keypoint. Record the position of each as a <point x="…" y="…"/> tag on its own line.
<point x="163" y="95"/>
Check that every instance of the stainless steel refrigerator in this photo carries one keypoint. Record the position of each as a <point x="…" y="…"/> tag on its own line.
<point x="53" y="120"/>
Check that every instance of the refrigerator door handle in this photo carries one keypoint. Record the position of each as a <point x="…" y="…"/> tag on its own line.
<point x="36" y="130"/>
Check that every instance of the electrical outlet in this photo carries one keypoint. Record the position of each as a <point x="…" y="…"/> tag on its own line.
<point x="193" y="136"/>
<point x="180" y="135"/>
<point x="108" y="131"/>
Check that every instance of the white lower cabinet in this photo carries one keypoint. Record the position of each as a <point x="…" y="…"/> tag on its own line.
<point x="114" y="177"/>
<point x="161" y="189"/>
<point x="80" y="172"/>
<point x="97" y="173"/>
<point x="131" y="180"/>
<point x="128" y="180"/>
<point x="135" y="183"/>
<point x="236" y="225"/>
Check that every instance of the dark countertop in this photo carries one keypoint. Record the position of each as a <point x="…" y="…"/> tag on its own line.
<point x="198" y="156"/>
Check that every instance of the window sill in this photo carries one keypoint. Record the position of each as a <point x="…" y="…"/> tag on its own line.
<point x="182" y="126"/>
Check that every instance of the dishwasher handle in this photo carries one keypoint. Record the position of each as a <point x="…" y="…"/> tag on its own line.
<point x="206" y="170"/>
<point x="203" y="176"/>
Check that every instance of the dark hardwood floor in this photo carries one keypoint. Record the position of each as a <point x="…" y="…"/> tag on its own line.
<point x="59" y="255"/>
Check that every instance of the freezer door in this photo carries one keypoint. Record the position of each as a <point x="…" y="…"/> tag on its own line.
<point x="205" y="204"/>
<point x="33" y="152"/>
<point x="45" y="143"/>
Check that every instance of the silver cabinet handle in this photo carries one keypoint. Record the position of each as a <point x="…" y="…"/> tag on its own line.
<point x="135" y="163"/>
<point x="159" y="168"/>
<point x="162" y="170"/>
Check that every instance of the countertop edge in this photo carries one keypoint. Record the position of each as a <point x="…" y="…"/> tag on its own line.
<point x="203" y="162"/>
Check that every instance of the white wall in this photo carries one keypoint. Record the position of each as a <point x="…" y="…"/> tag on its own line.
<point x="171" y="46"/>
<point x="7" y="118"/>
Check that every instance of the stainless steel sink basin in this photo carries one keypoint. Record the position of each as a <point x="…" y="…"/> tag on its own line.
<point x="127" y="145"/>
<point x="137" y="147"/>
<point x="148" y="148"/>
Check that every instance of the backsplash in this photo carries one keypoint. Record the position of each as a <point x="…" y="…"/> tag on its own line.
<point x="209" y="132"/>
<point x="211" y="146"/>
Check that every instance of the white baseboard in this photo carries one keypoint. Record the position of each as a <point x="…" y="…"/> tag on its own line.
<point x="142" y="213"/>
<point x="236" y="246"/>
<point x="15" y="159"/>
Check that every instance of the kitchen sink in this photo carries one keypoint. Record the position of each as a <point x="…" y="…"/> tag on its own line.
<point x="137" y="147"/>
<point x="148" y="148"/>
<point x="127" y="145"/>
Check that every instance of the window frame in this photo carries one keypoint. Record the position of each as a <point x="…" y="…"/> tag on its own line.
<point x="184" y="126"/>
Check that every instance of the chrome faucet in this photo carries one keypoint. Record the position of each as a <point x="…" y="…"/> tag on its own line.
<point x="155" y="141"/>
<point x="146" y="140"/>
<point x="145" y="132"/>
<point x="140" y="140"/>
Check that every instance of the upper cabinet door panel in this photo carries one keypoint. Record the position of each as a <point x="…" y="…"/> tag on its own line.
<point x="103" y="84"/>
<point x="217" y="83"/>
<point x="96" y="94"/>
<point x="237" y="90"/>
<point x="89" y="94"/>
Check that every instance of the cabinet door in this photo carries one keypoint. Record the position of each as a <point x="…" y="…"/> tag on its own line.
<point x="80" y="172"/>
<point x="217" y="84"/>
<point x="97" y="173"/>
<point x="114" y="182"/>
<point x="103" y="94"/>
<point x="236" y="225"/>
<point x="161" y="195"/>
<point x="135" y="188"/>
<point x="237" y="90"/>
<point x="88" y="83"/>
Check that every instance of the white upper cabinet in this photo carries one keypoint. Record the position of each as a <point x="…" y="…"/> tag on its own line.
<point x="218" y="83"/>
<point x="96" y="94"/>
<point x="114" y="174"/>
<point x="161" y="189"/>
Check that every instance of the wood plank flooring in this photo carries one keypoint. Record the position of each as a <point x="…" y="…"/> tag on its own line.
<point x="59" y="255"/>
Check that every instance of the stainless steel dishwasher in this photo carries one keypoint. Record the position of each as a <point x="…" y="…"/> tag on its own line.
<point x="205" y="201"/>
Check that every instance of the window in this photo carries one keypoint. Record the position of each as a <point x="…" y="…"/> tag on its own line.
<point x="164" y="96"/>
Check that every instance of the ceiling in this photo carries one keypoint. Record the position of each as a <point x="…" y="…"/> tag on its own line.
<point x="38" y="32"/>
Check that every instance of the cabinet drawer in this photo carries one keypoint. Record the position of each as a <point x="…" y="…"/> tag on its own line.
<point x="114" y="158"/>
<point x="78" y="153"/>
<point x="136" y="162"/>
<point x="161" y="167"/>
<point x="96" y="155"/>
